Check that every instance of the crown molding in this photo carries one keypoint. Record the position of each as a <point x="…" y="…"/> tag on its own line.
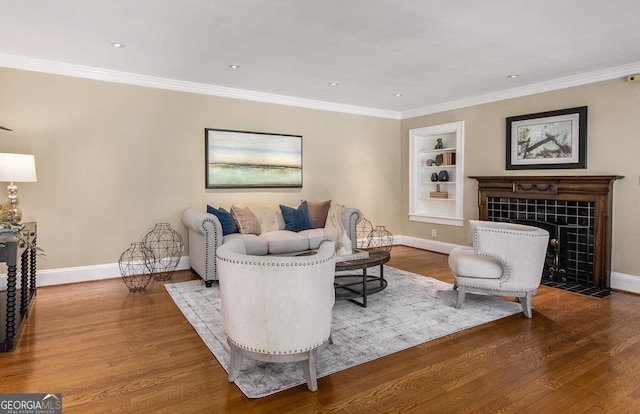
<point x="88" y="72"/>
<point x="552" y="85"/>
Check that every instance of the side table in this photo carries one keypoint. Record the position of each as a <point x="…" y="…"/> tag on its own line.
<point x="15" y="316"/>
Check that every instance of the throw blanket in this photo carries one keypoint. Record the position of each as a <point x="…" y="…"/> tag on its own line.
<point x="333" y="228"/>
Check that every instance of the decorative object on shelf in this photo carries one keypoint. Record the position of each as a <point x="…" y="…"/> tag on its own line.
<point x="136" y="267"/>
<point x="443" y="176"/>
<point x="16" y="168"/>
<point x="439" y="144"/>
<point x="166" y="245"/>
<point x="343" y="246"/>
<point x="438" y="193"/>
<point x="429" y="162"/>
<point x="380" y="238"/>
<point x="363" y="229"/>
<point x="439" y="160"/>
<point x="434" y="177"/>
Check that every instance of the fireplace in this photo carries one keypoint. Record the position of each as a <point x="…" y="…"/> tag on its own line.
<point x="575" y="210"/>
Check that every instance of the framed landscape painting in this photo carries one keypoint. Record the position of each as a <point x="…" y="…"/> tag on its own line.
<point x="241" y="159"/>
<point x="554" y="139"/>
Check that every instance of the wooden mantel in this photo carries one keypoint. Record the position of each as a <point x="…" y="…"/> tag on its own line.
<point x="592" y="188"/>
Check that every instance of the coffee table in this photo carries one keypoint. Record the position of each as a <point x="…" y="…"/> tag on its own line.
<point x="353" y="286"/>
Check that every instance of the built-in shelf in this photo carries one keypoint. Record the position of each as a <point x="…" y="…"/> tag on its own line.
<point x="425" y="152"/>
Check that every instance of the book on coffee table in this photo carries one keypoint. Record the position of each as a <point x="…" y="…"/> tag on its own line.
<point x="356" y="254"/>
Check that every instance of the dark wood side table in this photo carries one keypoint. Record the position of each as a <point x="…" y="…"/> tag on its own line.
<point x="15" y="314"/>
<point x="352" y="286"/>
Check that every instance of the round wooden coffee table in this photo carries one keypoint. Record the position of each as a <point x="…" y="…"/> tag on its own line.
<point x="352" y="286"/>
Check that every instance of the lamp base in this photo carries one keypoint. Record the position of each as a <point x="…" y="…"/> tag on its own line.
<point x="10" y="213"/>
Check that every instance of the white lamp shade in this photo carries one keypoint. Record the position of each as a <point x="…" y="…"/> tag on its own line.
<point x="19" y="168"/>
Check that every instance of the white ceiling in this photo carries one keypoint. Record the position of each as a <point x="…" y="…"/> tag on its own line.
<point x="435" y="53"/>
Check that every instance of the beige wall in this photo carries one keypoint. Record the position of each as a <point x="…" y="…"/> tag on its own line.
<point x="114" y="159"/>
<point x="613" y="148"/>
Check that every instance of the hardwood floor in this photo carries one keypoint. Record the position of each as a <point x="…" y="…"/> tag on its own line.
<point x="107" y="350"/>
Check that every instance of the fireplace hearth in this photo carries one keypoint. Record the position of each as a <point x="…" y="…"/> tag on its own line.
<point x="577" y="213"/>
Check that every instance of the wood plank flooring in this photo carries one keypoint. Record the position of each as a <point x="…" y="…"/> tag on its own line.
<point x="109" y="351"/>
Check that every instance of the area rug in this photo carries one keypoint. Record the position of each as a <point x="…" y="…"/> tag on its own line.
<point x="413" y="309"/>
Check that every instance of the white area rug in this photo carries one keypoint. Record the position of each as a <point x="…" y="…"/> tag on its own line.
<point x="413" y="309"/>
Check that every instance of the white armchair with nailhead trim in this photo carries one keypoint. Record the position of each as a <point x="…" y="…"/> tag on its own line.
<point x="506" y="259"/>
<point x="274" y="308"/>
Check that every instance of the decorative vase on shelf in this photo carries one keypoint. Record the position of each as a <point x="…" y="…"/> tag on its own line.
<point x="439" y="143"/>
<point x="166" y="245"/>
<point x="136" y="266"/>
<point x="443" y="176"/>
<point x="343" y="246"/>
<point x="434" y="177"/>
<point x="381" y="238"/>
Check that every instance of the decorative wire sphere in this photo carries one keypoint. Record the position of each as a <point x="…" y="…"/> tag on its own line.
<point x="363" y="229"/>
<point x="136" y="265"/>
<point x="380" y="238"/>
<point x="166" y="246"/>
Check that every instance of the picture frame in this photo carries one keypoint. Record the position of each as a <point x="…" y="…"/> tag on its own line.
<point x="547" y="140"/>
<point x="245" y="159"/>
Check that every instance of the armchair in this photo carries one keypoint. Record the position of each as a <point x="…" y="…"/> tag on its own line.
<point x="506" y="259"/>
<point x="276" y="309"/>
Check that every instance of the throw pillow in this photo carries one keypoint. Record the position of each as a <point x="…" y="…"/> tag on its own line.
<point x="247" y="221"/>
<point x="228" y="225"/>
<point x="296" y="219"/>
<point x="318" y="213"/>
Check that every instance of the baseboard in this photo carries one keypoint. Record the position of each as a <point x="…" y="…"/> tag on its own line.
<point x="425" y="244"/>
<point x="619" y="281"/>
<point x="67" y="275"/>
<point x="624" y="282"/>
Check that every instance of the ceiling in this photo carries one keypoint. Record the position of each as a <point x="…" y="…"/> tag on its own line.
<point x="435" y="53"/>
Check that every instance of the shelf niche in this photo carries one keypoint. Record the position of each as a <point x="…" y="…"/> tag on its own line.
<point x="425" y="204"/>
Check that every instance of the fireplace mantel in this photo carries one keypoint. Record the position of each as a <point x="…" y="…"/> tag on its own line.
<point x="596" y="189"/>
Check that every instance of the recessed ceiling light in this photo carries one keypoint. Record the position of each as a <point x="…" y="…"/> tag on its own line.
<point x="333" y="83"/>
<point x="512" y="76"/>
<point x="118" y="45"/>
<point x="398" y="95"/>
<point x="234" y="66"/>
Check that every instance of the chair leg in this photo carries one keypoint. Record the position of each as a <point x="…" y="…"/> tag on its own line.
<point x="310" y="373"/>
<point x="526" y="304"/>
<point x="234" y="363"/>
<point x="461" y="292"/>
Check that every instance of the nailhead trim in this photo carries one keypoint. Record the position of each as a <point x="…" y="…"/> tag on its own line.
<point x="286" y="352"/>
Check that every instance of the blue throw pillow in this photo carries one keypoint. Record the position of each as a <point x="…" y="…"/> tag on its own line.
<point x="296" y="219"/>
<point x="227" y="222"/>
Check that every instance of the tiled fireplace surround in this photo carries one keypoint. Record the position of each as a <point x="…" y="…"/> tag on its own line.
<point x="576" y="210"/>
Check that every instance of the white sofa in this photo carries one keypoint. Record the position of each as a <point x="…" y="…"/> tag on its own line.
<point x="205" y="236"/>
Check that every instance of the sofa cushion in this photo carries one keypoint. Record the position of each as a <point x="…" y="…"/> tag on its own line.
<point x="254" y="245"/>
<point x="296" y="219"/>
<point x="318" y="213"/>
<point x="245" y="219"/>
<point x="315" y="236"/>
<point x="227" y="222"/>
<point x="285" y="241"/>
<point x="270" y="218"/>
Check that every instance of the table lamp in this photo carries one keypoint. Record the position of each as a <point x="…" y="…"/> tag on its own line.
<point x="16" y="168"/>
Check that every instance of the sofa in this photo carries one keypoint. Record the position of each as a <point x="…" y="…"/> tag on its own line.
<point x="278" y="230"/>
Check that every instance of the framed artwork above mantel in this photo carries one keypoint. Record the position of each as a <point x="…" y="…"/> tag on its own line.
<point x="243" y="159"/>
<point x="547" y="140"/>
